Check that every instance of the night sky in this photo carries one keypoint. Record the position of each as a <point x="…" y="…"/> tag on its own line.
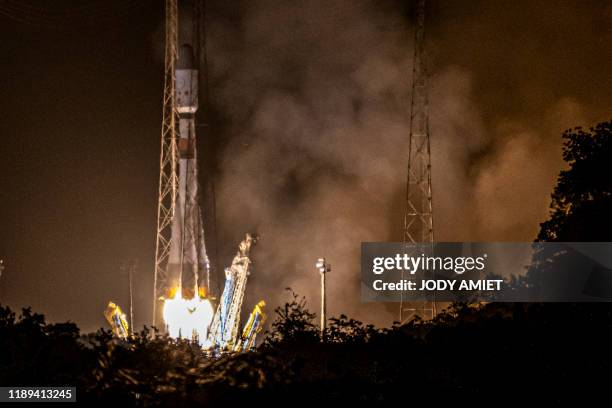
<point x="299" y="95"/>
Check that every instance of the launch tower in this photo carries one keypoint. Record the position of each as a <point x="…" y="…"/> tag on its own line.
<point x="181" y="260"/>
<point x="418" y="214"/>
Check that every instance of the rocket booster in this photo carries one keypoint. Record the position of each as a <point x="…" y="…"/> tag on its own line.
<point x="188" y="262"/>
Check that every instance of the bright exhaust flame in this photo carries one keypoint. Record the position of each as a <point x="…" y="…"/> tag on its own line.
<point x="188" y="318"/>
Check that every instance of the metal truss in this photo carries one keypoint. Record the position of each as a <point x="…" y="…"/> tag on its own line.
<point x="168" y="179"/>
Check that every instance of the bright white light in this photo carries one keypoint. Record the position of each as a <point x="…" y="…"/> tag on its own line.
<point x="188" y="318"/>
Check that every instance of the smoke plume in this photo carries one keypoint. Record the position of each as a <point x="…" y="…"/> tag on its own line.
<point x="315" y="98"/>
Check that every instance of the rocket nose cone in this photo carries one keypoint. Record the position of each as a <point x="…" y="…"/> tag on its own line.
<point x="185" y="57"/>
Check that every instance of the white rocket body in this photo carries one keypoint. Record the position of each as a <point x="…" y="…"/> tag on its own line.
<point x="188" y="264"/>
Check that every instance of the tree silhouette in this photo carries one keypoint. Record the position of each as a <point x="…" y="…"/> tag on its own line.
<point x="464" y="353"/>
<point x="582" y="199"/>
<point x="293" y="323"/>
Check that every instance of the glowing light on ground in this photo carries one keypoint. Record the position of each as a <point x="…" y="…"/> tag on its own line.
<point x="188" y="318"/>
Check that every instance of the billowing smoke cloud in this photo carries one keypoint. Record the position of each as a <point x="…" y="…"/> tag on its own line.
<point x="316" y="102"/>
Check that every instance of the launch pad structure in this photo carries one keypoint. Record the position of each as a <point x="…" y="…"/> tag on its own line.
<point x="181" y="259"/>
<point x="183" y="281"/>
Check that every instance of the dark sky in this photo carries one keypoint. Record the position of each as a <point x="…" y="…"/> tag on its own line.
<point x="81" y="109"/>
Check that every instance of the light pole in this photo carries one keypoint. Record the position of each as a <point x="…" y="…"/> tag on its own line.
<point x="323" y="268"/>
<point x="130" y="268"/>
<point x="130" y="271"/>
<point x="1" y="270"/>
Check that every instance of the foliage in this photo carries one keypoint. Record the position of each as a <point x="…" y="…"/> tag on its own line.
<point x="344" y="330"/>
<point x="293" y="323"/>
<point x="465" y="351"/>
<point x="582" y="198"/>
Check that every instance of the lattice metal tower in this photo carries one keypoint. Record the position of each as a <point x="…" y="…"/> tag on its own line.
<point x="418" y="214"/>
<point x="168" y="178"/>
<point x="182" y="266"/>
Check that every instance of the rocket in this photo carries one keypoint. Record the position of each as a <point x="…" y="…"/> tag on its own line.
<point x="188" y="263"/>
